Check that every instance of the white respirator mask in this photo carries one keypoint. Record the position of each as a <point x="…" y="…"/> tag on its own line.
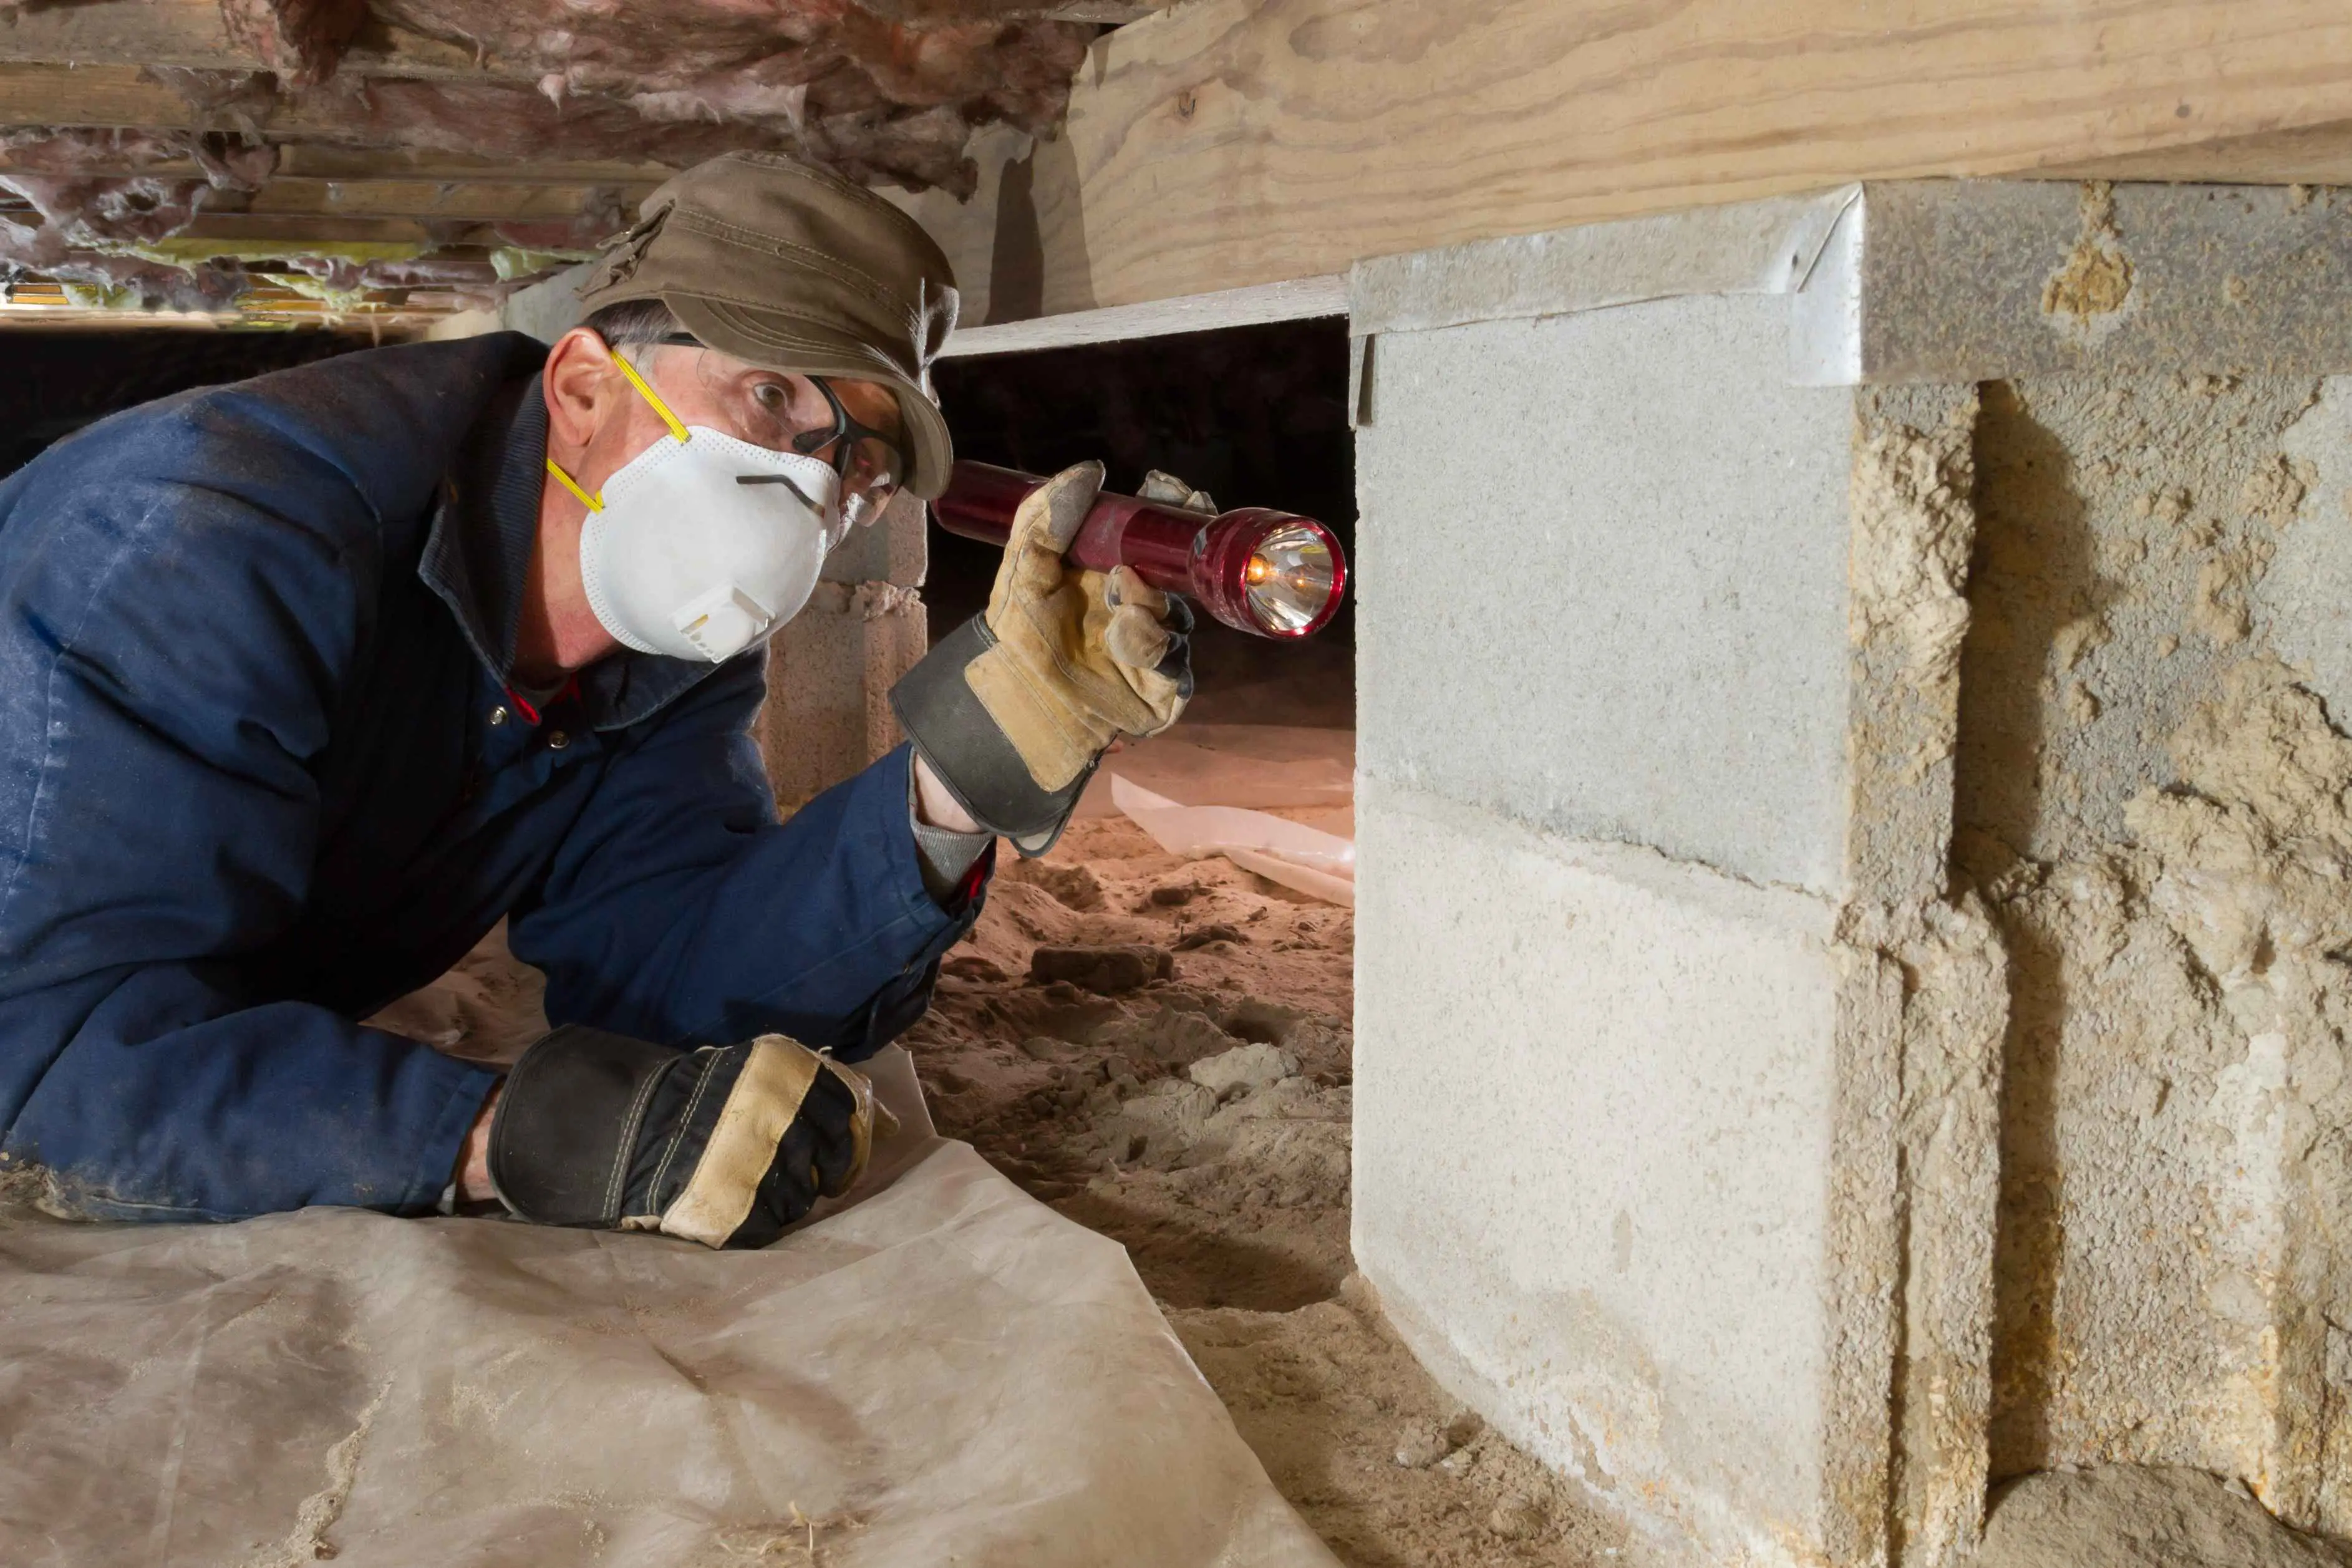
<point x="702" y="544"/>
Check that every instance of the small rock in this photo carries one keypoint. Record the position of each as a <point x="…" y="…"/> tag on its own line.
<point x="1041" y="1048"/>
<point x="1517" y="1517"/>
<point x="1420" y="1445"/>
<point x="1201" y="936"/>
<point x="1243" y="1067"/>
<point x="1174" y="897"/>
<point x="1072" y="887"/>
<point x="973" y="966"/>
<point x="1104" y="970"/>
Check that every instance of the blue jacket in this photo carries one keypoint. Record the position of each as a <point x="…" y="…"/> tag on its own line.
<point x="260" y="775"/>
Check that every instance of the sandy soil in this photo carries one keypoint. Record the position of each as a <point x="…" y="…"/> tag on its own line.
<point x="1203" y="1122"/>
<point x="1202" y="1119"/>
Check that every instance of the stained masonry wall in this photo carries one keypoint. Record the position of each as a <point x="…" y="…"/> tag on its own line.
<point x="2153" y="800"/>
<point x="1888" y="848"/>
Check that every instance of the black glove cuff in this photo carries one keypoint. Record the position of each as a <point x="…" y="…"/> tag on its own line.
<point x="943" y="716"/>
<point x="567" y="1123"/>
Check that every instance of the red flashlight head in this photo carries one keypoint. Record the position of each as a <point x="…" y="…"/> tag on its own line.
<point x="1270" y="574"/>
<point x="1273" y="573"/>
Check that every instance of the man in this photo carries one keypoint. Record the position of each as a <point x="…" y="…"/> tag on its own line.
<point x="308" y="681"/>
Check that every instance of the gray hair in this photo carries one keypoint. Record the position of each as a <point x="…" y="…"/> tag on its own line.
<point x="634" y="324"/>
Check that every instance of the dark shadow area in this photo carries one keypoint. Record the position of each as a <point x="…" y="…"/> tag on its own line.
<point x="59" y="381"/>
<point x="1256" y="416"/>
<point x="2031" y="574"/>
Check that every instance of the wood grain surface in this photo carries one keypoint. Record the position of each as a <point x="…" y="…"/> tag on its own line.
<point x="1230" y="143"/>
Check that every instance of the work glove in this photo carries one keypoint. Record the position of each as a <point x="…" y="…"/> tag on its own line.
<point x="1014" y="709"/>
<point x="723" y="1145"/>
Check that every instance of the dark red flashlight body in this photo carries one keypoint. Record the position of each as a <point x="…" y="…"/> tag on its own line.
<point x="1206" y="559"/>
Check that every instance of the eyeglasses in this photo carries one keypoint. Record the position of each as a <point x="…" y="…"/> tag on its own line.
<point x="870" y="464"/>
<point x="803" y="413"/>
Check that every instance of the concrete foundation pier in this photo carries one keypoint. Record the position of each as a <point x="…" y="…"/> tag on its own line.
<point x="1853" y="850"/>
<point x="831" y="669"/>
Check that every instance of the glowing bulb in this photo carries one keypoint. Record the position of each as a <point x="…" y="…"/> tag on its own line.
<point x="1291" y="579"/>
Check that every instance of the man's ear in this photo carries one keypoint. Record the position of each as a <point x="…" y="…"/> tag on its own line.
<point x="578" y="380"/>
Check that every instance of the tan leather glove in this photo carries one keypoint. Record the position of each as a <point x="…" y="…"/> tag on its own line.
<point x="1012" y="708"/>
<point x="1079" y="654"/>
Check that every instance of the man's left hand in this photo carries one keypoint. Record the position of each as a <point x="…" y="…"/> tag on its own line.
<point x="723" y="1145"/>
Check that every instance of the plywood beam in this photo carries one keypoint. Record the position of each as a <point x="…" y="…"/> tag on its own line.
<point x="1234" y="142"/>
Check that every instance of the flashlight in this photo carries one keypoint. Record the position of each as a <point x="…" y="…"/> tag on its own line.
<point x="1270" y="574"/>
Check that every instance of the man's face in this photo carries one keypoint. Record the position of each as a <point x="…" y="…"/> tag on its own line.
<point x="857" y="430"/>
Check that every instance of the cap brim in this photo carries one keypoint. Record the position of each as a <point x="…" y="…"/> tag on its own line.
<point x="776" y="341"/>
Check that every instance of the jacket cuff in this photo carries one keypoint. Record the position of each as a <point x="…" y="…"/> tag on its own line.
<point x="945" y="855"/>
<point x="470" y="1086"/>
<point x="946" y="721"/>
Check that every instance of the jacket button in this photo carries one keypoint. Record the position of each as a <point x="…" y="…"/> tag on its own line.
<point x="557" y="740"/>
<point x="498" y="717"/>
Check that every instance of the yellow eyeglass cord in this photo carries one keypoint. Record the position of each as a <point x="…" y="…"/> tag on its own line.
<point x="676" y="428"/>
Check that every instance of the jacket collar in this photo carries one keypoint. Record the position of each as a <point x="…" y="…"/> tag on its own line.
<point x="478" y="558"/>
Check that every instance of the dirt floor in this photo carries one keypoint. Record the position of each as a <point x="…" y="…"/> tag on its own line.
<point x="1202" y="1119"/>
<point x="1159" y="1049"/>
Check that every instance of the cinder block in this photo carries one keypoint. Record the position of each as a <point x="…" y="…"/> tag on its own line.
<point x="896" y="548"/>
<point x="1603" y="584"/>
<point x="831" y="669"/>
<point x="2153" y="796"/>
<point x="830" y="672"/>
<point x="1850" y="910"/>
<point x="1598" y="1112"/>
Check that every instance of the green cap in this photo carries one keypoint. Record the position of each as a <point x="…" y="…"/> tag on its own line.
<point x="789" y="266"/>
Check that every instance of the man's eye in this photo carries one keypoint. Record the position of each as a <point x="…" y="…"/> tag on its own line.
<point x="770" y="396"/>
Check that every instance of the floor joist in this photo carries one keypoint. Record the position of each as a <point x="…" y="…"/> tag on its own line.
<point x="191" y="32"/>
<point x="1234" y="143"/>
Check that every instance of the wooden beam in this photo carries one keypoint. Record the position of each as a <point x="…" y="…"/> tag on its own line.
<point x="327" y="161"/>
<point x="191" y="32"/>
<point x="117" y="95"/>
<point x="2313" y="155"/>
<point x="473" y="200"/>
<point x="304" y="228"/>
<point x="1227" y="144"/>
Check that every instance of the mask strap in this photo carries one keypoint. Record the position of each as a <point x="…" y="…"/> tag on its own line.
<point x="676" y="428"/>
<point x="568" y="483"/>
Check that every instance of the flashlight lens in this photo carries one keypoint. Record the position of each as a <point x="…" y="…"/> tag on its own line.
<point x="1288" y="580"/>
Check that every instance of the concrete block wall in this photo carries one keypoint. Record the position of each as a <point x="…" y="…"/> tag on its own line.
<point x="1755" y="1117"/>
